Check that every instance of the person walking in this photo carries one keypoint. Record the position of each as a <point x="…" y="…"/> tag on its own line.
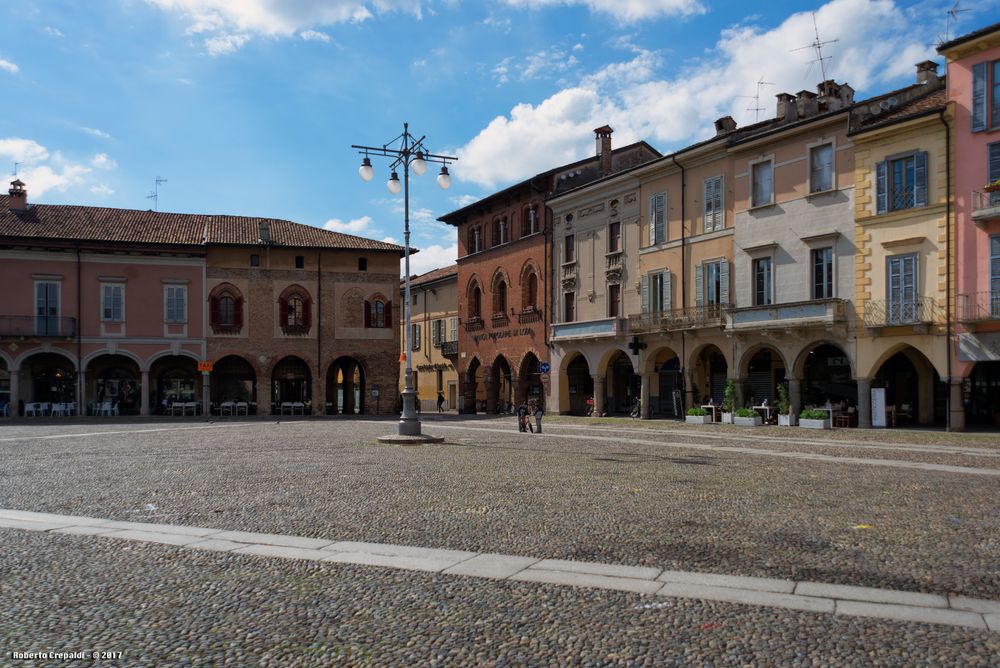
<point x="522" y="415"/>
<point x="440" y="403"/>
<point x="539" y="412"/>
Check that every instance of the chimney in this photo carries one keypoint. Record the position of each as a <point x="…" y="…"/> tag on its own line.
<point x="806" y="104"/>
<point x="265" y="231"/>
<point x="18" y="195"/>
<point x="724" y="125"/>
<point x="829" y="96"/>
<point x="927" y="73"/>
<point x="603" y="139"/>
<point x="786" y="107"/>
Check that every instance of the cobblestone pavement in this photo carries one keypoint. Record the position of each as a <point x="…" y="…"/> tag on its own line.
<point x="641" y="499"/>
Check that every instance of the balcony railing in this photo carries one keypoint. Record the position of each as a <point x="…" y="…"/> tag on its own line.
<point x="692" y="317"/>
<point x="810" y="313"/>
<point x="500" y="319"/>
<point x="890" y="313"/>
<point x="978" y="306"/>
<point x="587" y="329"/>
<point x="985" y="206"/>
<point x="526" y="316"/>
<point x="37" y="326"/>
<point x="569" y="269"/>
<point x="449" y="348"/>
<point x="474" y="324"/>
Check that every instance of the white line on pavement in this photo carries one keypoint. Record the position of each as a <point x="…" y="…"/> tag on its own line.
<point x="816" y="597"/>
<point x="127" y="432"/>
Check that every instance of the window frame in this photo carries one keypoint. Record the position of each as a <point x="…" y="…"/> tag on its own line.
<point x="616" y="289"/>
<point x="297" y="313"/>
<point x="829" y="269"/>
<point x="377" y="318"/>
<point x="614" y="244"/>
<point x="754" y="164"/>
<point x="569" y="306"/>
<point x="718" y="212"/>
<point x="104" y="307"/>
<point x="182" y="318"/>
<point x="569" y="249"/>
<point x="415" y="338"/>
<point x="221" y="320"/>
<point x="656" y="219"/>
<point x="47" y="323"/>
<point x="812" y="149"/>
<point x="763" y="295"/>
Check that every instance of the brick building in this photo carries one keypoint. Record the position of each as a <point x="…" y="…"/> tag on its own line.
<point x="504" y="293"/>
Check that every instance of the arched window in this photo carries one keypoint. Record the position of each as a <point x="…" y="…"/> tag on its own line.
<point x="504" y="231"/>
<point x="476" y="303"/>
<point x="296" y="308"/>
<point x="378" y="312"/>
<point x="529" y="225"/>
<point x="531" y="292"/>
<point x="496" y="233"/>
<point x="500" y="297"/>
<point x="226" y="310"/>
<point x="295" y="311"/>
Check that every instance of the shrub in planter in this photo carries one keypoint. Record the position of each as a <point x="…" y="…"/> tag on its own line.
<point x="697" y="411"/>
<point x="747" y="417"/>
<point x="728" y="402"/>
<point x="698" y="416"/>
<point x="814" y="419"/>
<point x="785" y="417"/>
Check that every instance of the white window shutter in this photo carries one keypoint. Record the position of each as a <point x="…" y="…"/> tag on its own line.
<point x="724" y="282"/>
<point x="881" y="187"/>
<point x="699" y="285"/>
<point x="645" y="293"/>
<point x="667" y="290"/>
<point x="920" y="177"/>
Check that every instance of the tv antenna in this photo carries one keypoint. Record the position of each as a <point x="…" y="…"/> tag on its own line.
<point x="817" y="45"/>
<point x="16" y="165"/>
<point x="155" y="195"/>
<point x="756" y="108"/>
<point x="952" y="16"/>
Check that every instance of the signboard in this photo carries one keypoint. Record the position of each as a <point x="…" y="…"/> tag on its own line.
<point x="544" y="367"/>
<point x="374" y="393"/>
<point x="205" y="367"/>
<point x="545" y="377"/>
<point x="878" y="406"/>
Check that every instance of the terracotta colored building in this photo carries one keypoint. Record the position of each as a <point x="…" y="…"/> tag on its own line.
<point x="111" y="311"/>
<point x="504" y="293"/>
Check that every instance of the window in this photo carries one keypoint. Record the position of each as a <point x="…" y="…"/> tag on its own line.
<point x="901" y="183"/>
<point x="711" y="283"/>
<point x="300" y="261"/>
<point x="413" y="298"/>
<point x="531" y="291"/>
<point x="995" y="276"/>
<point x="255" y="260"/>
<point x="614" y="300"/>
<point x="453" y="326"/>
<point x="763" y="184"/>
<point x="46" y="308"/>
<point x="569" y="249"/>
<point x="993" y="170"/>
<point x="569" y="306"/>
<point x="378" y="313"/>
<point x="902" y="289"/>
<point x="762" y="283"/>
<point x="657" y="218"/>
<point x="476" y="303"/>
<point x="821" y="168"/>
<point x="437" y="332"/>
<point x="715" y="217"/>
<point x="296" y="311"/>
<point x="112" y="303"/>
<point x="985" y="95"/>
<point x="656" y="292"/>
<point x="500" y="297"/>
<point x="227" y="311"/>
<point x="415" y="337"/>
<point x="477" y="235"/>
<point x="530" y="221"/>
<point x="822" y="266"/>
<point x="500" y="231"/>
<point x="362" y="264"/>
<point x="614" y="237"/>
<point x="176" y="303"/>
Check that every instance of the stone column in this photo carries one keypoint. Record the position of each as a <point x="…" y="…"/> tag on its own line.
<point x="15" y="392"/>
<point x="319" y="395"/>
<point x="864" y="403"/>
<point x="645" y="400"/>
<point x="144" y="393"/>
<point x="81" y="392"/>
<point x="689" y="399"/>
<point x="794" y="395"/>
<point x="925" y="397"/>
<point x="957" y="407"/>
<point x="206" y="394"/>
<point x="599" y="394"/>
<point x="491" y="390"/>
<point x="263" y="396"/>
<point x="349" y="404"/>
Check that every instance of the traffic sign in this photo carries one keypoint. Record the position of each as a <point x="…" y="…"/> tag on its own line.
<point x="205" y="367"/>
<point x="544" y="367"/>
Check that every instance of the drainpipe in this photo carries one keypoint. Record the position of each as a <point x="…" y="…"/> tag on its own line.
<point x="80" y="385"/>
<point x="673" y="157"/>
<point x="947" y="248"/>
<point x="320" y="378"/>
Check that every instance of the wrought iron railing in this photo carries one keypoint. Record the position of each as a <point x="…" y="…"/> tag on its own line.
<point x="978" y="306"/>
<point x="888" y="313"/>
<point x="37" y="326"/>
<point x="692" y="317"/>
<point x="449" y="348"/>
<point x="526" y="316"/>
<point x="985" y="205"/>
<point x="903" y="197"/>
<point x="569" y="269"/>
<point x="474" y="324"/>
<point x="500" y="320"/>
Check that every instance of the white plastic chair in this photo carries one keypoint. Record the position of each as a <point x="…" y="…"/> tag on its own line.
<point x="298" y="406"/>
<point x="58" y="410"/>
<point x="227" y="408"/>
<point x="193" y="406"/>
<point x="33" y="409"/>
<point x="242" y="406"/>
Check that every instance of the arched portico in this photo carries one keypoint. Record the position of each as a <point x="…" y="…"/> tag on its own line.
<point x="529" y="383"/>
<point x="826" y="374"/>
<point x="345" y="387"/>
<point x="576" y="384"/>
<point x="914" y="393"/>
<point x="621" y="382"/>
<point x="473" y="388"/>
<point x="501" y="391"/>
<point x="234" y="378"/>
<point x="116" y="380"/>
<point x="174" y="379"/>
<point x="708" y="371"/>
<point x="762" y="369"/>
<point x="291" y="382"/>
<point x="666" y="384"/>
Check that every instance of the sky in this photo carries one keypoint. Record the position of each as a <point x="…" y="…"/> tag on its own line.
<point x="250" y="107"/>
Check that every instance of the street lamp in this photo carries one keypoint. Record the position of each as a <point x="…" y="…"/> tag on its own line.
<point x="406" y="151"/>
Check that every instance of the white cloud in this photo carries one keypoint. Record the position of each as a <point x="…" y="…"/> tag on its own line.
<point x="40" y="169"/>
<point x="431" y="257"/>
<point x="638" y="101"/>
<point x="9" y="66"/>
<point x="102" y="161"/>
<point x="23" y="150"/>
<point x="314" y="36"/>
<point x="102" y="189"/>
<point x="224" y="44"/>
<point x="356" y="226"/>
<point x="539" y="65"/>
<point x="390" y="240"/>
<point x="54" y="32"/>
<point x="463" y="200"/>
<point x="100" y="134"/>
<point x="625" y="11"/>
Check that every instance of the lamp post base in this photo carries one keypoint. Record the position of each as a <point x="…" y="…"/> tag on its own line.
<point x="408" y="432"/>
<point x="418" y="439"/>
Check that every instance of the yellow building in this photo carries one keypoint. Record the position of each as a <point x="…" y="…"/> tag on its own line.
<point x="901" y="207"/>
<point x="434" y="321"/>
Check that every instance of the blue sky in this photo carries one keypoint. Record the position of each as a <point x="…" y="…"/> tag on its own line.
<point x="250" y="106"/>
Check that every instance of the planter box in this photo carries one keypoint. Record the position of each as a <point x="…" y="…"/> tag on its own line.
<point x="748" y="421"/>
<point x="698" y="419"/>
<point x="814" y="424"/>
<point x="727" y="418"/>
<point x="787" y="420"/>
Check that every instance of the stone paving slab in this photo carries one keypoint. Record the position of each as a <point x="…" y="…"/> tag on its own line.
<point x="85" y="531"/>
<point x="11" y="523"/>
<point x="911" y="614"/>
<point x="216" y="545"/>
<point x="271" y="539"/>
<point x="871" y="594"/>
<point x="495" y="566"/>
<point x="592" y="568"/>
<point x="974" y="604"/>
<point x="992" y="622"/>
<point x="747" y="596"/>
<point x="159" y="528"/>
<point x="729" y="581"/>
<point x="400" y="550"/>
<point x="390" y="561"/>
<point x="47" y="517"/>
<point x="282" y="551"/>
<point x="152" y="537"/>
<point x="587" y="580"/>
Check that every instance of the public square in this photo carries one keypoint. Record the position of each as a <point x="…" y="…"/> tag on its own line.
<point x="437" y="551"/>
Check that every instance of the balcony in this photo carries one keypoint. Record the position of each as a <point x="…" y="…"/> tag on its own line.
<point x="568" y="275"/>
<point x="474" y="324"/>
<point x="25" y="326"/>
<point x="529" y="315"/>
<point x="811" y="313"/>
<point x="614" y="262"/>
<point x="919" y="311"/>
<point x="985" y="207"/>
<point x="449" y="348"/>
<point x="500" y="319"/>
<point x="978" y="307"/>
<point x="588" y="329"/>
<point x="692" y="317"/>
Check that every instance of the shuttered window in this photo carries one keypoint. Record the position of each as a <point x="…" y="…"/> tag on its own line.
<point x="901" y="183"/>
<point x="821" y="168"/>
<point x="763" y="284"/>
<point x="112" y="303"/>
<point x="714" y="215"/>
<point x="657" y="218"/>
<point x="763" y="184"/>
<point x="453" y="327"/>
<point x="176" y="303"/>
<point x="711" y="283"/>
<point x="993" y="169"/>
<point x="656" y="290"/>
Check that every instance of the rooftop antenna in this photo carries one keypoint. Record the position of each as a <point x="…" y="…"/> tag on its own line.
<point x="16" y="165"/>
<point x="756" y="108"/>
<point x="952" y="16"/>
<point x="155" y="195"/>
<point x="817" y="45"/>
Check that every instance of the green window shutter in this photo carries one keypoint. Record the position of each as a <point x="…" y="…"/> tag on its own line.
<point x="979" y="75"/>
<point x="920" y="178"/>
<point x="724" y="282"/>
<point x="699" y="285"/>
<point x="645" y="293"/>
<point x="881" y="187"/>
<point x="667" y="285"/>
<point x="661" y="217"/>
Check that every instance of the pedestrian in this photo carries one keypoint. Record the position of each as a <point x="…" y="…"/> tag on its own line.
<point x="539" y="412"/>
<point x="522" y="414"/>
<point x="440" y="403"/>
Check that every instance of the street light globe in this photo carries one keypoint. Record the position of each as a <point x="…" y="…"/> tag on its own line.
<point x="365" y="170"/>
<point x="444" y="178"/>
<point x="418" y="164"/>
<point x="393" y="184"/>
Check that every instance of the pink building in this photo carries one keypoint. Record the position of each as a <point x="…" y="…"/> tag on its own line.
<point x="974" y="92"/>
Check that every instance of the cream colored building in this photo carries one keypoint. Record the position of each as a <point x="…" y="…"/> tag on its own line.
<point x="434" y="320"/>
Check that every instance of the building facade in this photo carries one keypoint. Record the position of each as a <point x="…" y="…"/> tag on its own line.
<point x="434" y="339"/>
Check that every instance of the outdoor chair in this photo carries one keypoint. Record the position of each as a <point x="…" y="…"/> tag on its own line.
<point x="58" y="410"/>
<point x="227" y="408"/>
<point x="242" y="406"/>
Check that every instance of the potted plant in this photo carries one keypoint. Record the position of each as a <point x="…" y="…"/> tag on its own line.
<point x="748" y="417"/>
<point x="698" y="416"/>
<point x="992" y="186"/>
<point x="785" y="417"/>
<point x="728" y="402"/>
<point x="814" y="419"/>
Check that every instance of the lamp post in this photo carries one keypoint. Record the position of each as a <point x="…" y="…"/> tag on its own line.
<point x="406" y="151"/>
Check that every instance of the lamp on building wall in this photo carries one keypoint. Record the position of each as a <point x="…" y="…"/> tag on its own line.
<point x="406" y="151"/>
